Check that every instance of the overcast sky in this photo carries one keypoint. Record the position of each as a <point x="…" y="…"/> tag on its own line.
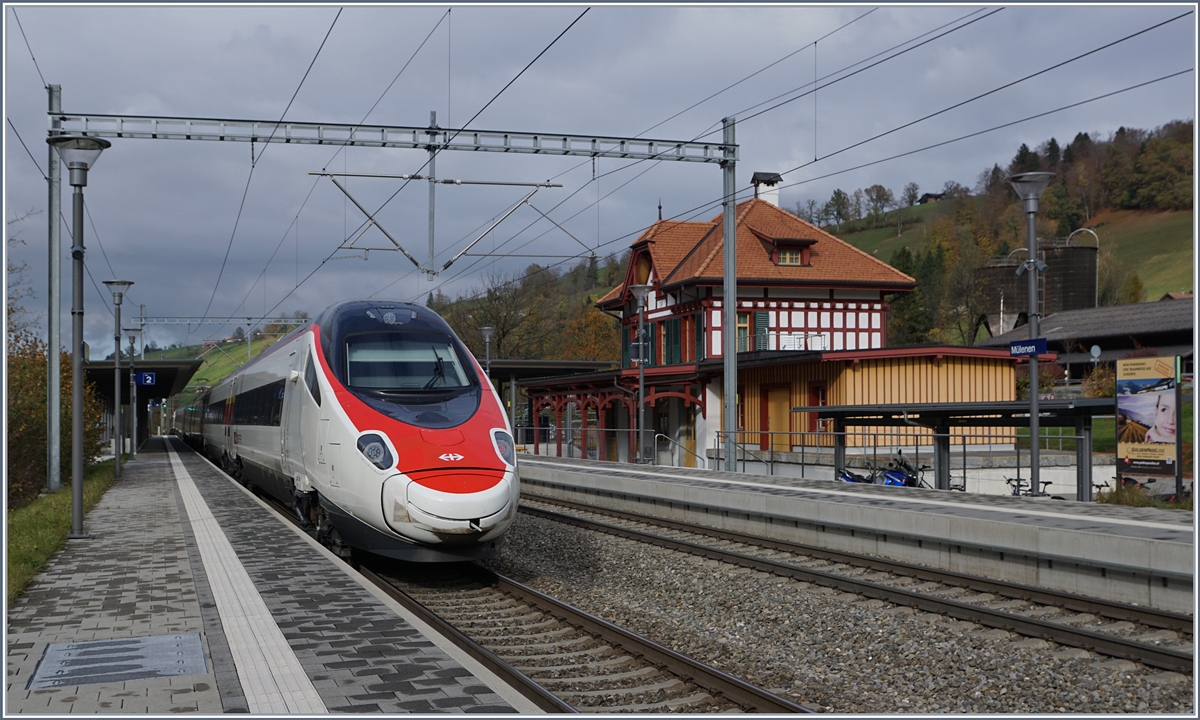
<point x="165" y="214"/>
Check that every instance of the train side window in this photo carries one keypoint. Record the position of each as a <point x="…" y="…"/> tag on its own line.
<point x="310" y="379"/>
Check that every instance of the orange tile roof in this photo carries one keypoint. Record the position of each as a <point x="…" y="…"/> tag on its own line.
<point x="688" y="253"/>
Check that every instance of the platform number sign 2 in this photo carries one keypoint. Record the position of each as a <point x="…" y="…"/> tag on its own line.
<point x="145" y="378"/>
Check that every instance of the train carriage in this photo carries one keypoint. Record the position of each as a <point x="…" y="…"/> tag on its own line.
<point x="378" y="427"/>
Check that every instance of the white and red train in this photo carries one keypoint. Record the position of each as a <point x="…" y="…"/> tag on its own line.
<point x="377" y="425"/>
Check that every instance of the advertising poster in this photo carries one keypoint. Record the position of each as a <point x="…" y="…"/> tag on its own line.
<point x="1147" y="417"/>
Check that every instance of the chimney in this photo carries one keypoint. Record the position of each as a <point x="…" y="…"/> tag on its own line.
<point x="770" y="193"/>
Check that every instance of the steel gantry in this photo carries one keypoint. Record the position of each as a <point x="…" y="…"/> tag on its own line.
<point x="434" y="139"/>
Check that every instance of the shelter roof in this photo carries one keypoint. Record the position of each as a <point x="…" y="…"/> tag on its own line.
<point x="1139" y="320"/>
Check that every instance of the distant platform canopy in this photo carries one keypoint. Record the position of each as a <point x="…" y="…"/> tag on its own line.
<point x="170" y="377"/>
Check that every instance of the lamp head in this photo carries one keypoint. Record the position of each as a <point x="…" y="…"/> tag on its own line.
<point x="487" y="333"/>
<point x="79" y="152"/>
<point x="118" y="289"/>
<point x="640" y="292"/>
<point x="1030" y="186"/>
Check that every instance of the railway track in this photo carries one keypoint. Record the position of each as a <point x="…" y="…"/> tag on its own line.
<point x="1145" y="635"/>
<point x="562" y="658"/>
<point x="589" y="665"/>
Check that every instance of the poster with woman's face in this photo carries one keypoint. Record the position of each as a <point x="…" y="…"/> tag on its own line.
<point x="1146" y="417"/>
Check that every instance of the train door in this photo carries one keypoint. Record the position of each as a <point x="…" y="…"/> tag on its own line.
<point x="290" y="448"/>
<point x="303" y="412"/>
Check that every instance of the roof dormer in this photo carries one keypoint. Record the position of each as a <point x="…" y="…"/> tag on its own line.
<point x="795" y="252"/>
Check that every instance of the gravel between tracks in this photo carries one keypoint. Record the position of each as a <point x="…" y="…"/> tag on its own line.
<point x="822" y="647"/>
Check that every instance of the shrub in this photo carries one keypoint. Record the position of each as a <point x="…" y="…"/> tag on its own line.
<point x="1101" y="382"/>
<point x="26" y="462"/>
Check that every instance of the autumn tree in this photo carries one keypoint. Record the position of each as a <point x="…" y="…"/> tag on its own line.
<point x="589" y="334"/>
<point x="26" y="362"/>
<point x="838" y="208"/>
<point x="879" y="199"/>
<point x="911" y="194"/>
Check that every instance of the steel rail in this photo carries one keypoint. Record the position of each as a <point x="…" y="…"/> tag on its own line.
<point x="705" y="676"/>
<point x="1165" y="658"/>
<point x="709" y="678"/>
<point x="1152" y="617"/>
<point x="540" y="696"/>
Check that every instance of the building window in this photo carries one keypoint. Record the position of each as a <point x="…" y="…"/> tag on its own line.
<point x="743" y="332"/>
<point x="789" y="257"/>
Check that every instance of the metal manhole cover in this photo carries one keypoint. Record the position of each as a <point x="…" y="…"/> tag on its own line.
<point x="108" y="661"/>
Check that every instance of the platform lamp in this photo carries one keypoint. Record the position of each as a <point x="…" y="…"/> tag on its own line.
<point x="1029" y="187"/>
<point x="79" y="152"/>
<point x="118" y="289"/>
<point x="487" y="342"/>
<point x="640" y="292"/>
<point x="133" y="436"/>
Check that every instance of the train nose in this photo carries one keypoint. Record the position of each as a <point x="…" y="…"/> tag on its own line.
<point x="410" y="501"/>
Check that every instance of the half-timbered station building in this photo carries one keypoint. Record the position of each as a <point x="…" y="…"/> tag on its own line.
<point x="811" y="330"/>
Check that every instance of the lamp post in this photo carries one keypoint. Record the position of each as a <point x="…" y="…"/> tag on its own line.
<point x="79" y="152"/>
<point x="1029" y="187"/>
<point x="487" y="342"/>
<point x="118" y="288"/>
<point x="640" y="292"/>
<point x="133" y="435"/>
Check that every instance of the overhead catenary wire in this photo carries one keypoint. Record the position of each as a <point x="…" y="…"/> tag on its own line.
<point x="629" y="166"/>
<point x="104" y="301"/>
<point x="708" y="130"/>
<point x="22" y="141"/>
<point x="253" y="164"/>
<point x="956" y="105"/>
<point x="655" y="163"/>
<point x="724" y="90"/>
<point x="35" y="62"/>
<point x="437" y="150"/>
<point x="746" y="191"/>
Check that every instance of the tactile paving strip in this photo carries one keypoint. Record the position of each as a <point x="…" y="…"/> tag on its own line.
<point x="111" y="661"/>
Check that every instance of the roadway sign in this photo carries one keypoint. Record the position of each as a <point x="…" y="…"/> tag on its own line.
<point x="1025" y="348"/>
<point x="145" y="378"/>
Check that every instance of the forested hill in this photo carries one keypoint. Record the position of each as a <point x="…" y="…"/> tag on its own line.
<point x="1133" y="189"/>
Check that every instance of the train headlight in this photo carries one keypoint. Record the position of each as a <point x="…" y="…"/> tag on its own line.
<point x="504" y="446"/>
<point x="374" y="448"/>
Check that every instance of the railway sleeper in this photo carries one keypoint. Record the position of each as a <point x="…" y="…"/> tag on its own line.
<point x="546" y="634"/>
<point x="696" y="700"/>
<point x="570" y="642"/>
<point x="516" y="659"/>
<point x="667" y="685"/>
<point x="615" y="662"/>
<point x="468" y="609"/>
<point x="642" y="672"/>
<point x="505" y="621"/>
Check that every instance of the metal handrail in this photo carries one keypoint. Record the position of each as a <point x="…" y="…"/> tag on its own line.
<point x="677" y="444"/>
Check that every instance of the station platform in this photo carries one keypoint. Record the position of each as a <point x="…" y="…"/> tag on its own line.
<point x="1136" y="555"/>
<point x="192" y="596"/>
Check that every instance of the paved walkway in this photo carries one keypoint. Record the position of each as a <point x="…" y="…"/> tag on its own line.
<point x="191" y="596"/>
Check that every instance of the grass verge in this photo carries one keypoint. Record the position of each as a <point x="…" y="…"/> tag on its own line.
<point x="38" y="530"/>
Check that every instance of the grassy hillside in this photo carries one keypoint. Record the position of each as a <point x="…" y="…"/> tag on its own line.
<point x="1158" y="245"/>
<point x="219" y="361"/>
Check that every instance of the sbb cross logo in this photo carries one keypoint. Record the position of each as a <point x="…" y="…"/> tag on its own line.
<point x="450" y="457"/>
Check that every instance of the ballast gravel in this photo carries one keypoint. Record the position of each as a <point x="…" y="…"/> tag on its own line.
<point x="833" y="651"/>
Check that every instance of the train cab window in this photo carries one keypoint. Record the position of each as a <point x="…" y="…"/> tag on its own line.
<point x="310" y="379"/>
<point x="391" y="362"/>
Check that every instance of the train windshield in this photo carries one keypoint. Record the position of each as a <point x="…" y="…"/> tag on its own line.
<point x="404" y="362"/>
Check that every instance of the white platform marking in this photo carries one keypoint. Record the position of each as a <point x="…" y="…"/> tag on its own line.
<point x="271" y="675"/>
